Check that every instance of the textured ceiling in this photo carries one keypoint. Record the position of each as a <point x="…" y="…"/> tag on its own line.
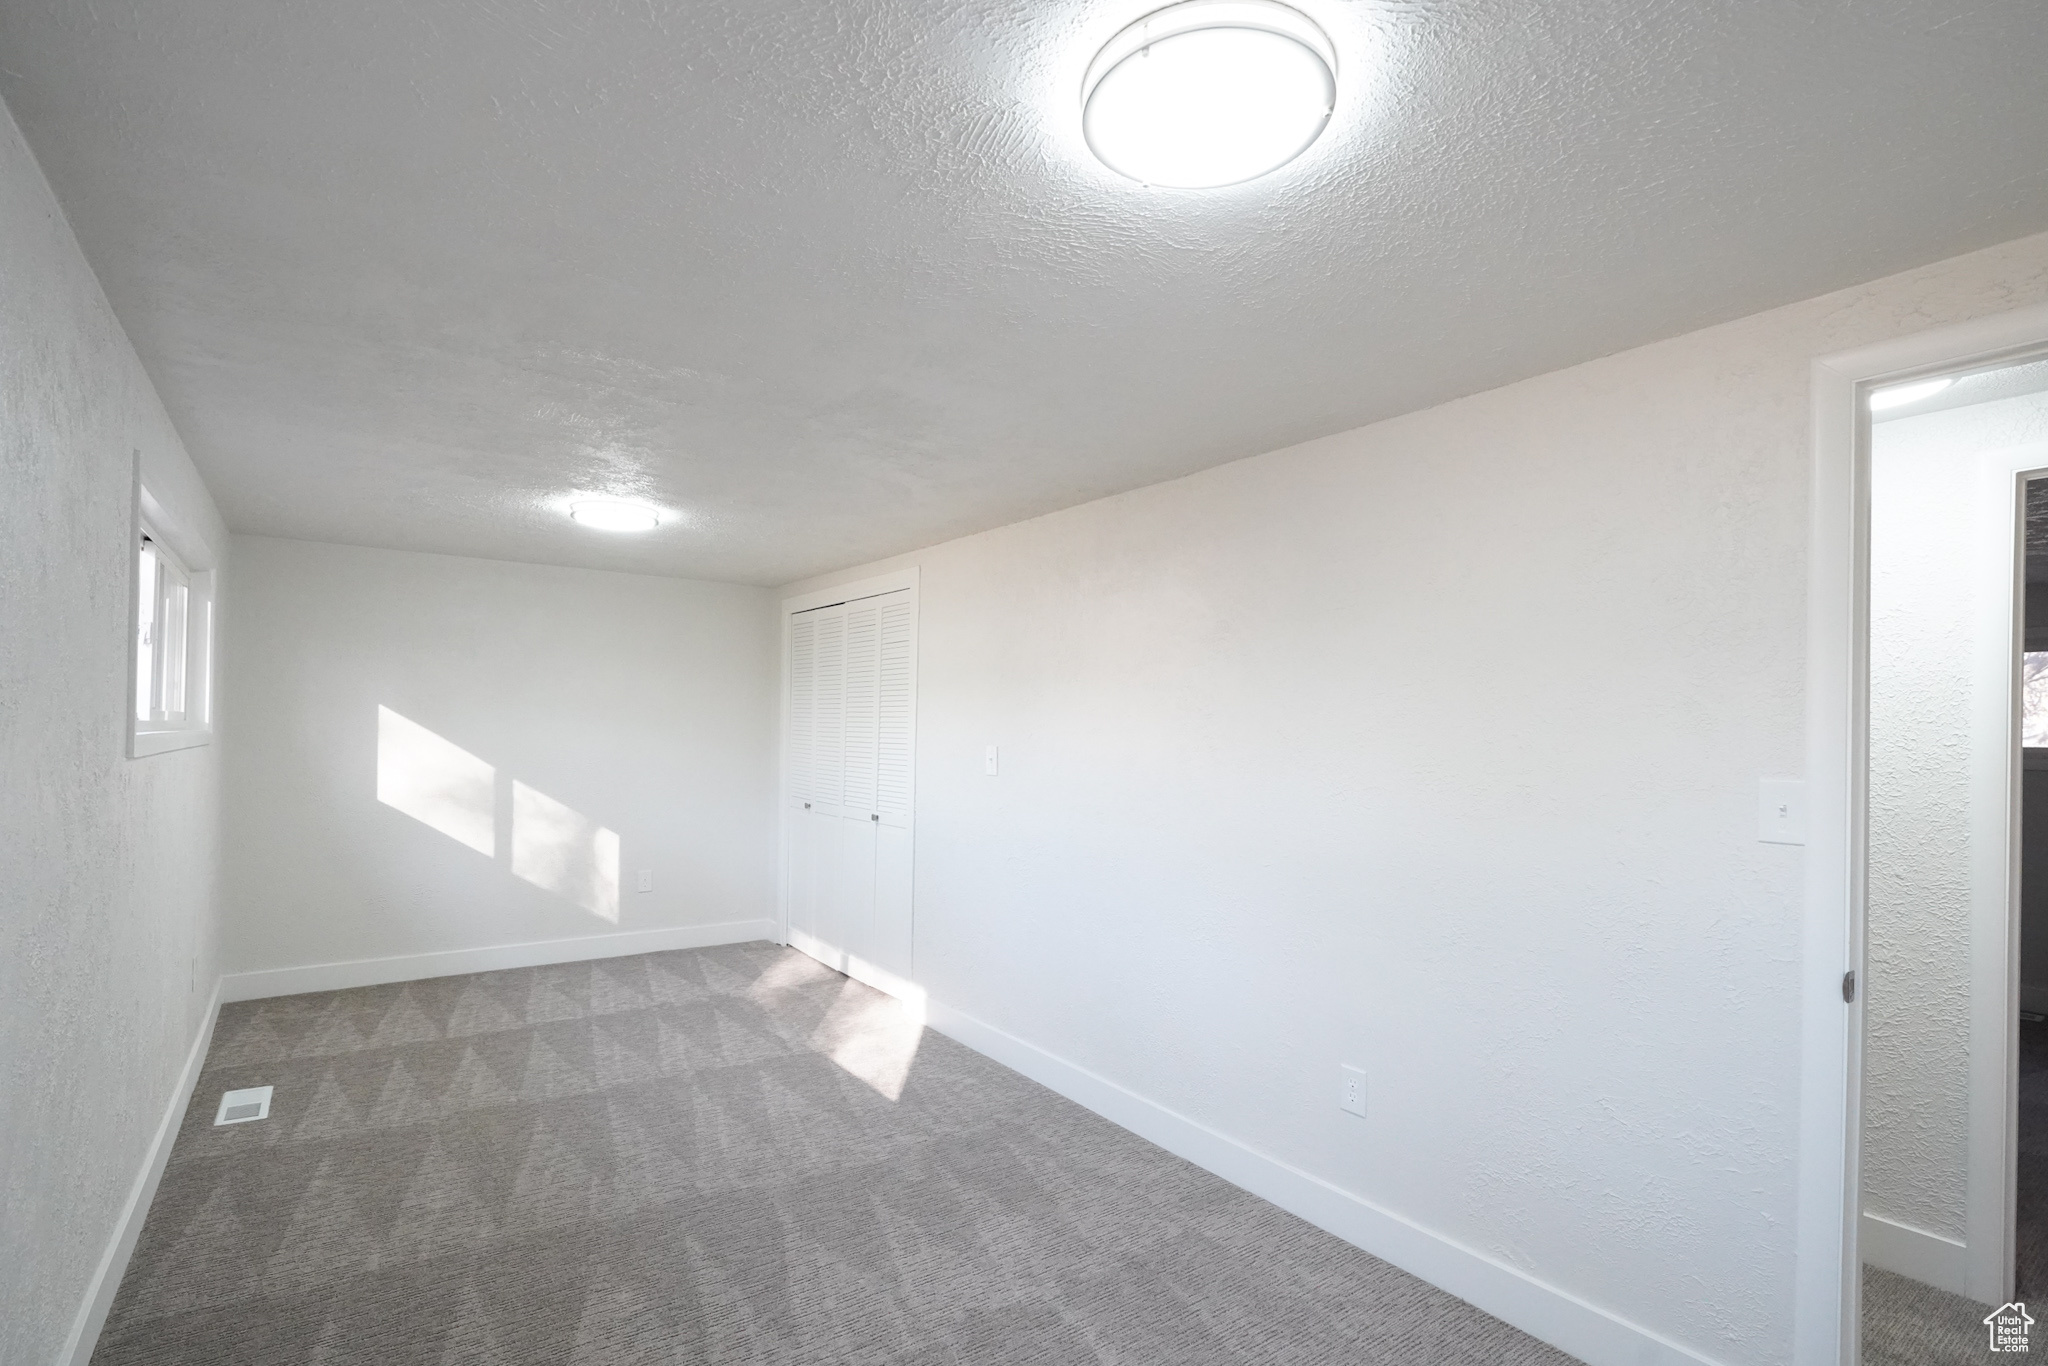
<point x="838" y="279"/>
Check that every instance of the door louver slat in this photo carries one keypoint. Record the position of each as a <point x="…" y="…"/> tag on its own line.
<point x="893" y="746"/>
<point x="803" y="704"/>
<point x="828" y="757"/>
<point x="863" y="660"/>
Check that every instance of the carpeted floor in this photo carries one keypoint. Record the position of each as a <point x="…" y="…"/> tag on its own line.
<point x="1906" y="1323"/>
<point x="2030" y="1222"/>
<point x="726" y="1155"/>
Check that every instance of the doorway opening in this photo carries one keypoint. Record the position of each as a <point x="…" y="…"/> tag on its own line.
<point x="1952" y="1130"/>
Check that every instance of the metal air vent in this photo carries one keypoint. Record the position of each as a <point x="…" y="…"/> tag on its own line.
<point x="239" y="1107"/>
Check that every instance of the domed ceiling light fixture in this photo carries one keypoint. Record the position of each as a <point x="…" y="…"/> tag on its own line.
<point x="614" y="514"/>
<point x="1209" y="93"/>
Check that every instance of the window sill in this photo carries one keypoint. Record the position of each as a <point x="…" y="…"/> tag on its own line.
<point x="144" y="743"/>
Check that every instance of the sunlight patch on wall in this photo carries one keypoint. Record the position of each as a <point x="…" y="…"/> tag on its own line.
<point x="437" y="783"/>
<point x="559" y="849"/>
<point x="871" y="1036"/>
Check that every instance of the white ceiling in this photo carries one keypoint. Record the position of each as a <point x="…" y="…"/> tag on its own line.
<point x="837" y="278"/>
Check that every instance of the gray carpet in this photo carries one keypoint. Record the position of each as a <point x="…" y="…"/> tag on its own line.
<point x="1906" y="1323"/>
<point x="2030" y="1215"/>
<point x="727" y="1155"/>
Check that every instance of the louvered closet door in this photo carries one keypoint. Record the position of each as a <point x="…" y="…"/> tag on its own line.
<point x="807" y="843"/>
<point x="895" y="728"/>
<point x="852" y="909"/>
<point x="822" y="824"/>
<point x="851" y="723"/>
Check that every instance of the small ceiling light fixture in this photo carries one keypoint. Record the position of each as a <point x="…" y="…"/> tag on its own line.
<point x="614" y="514"/>
<point x="1209" y="93"/>
<point x="1899" y="395"/>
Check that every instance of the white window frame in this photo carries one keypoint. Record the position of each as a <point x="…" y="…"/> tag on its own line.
<point x="191" y="724"/>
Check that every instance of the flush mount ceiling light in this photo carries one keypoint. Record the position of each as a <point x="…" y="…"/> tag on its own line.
<point x="614" y="514"/>
<point x="1899" y="395"/>
<point x="1209" y="93"/>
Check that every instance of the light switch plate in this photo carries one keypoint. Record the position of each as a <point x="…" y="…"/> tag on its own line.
<point x="1351" y="1090"/>
<point x="646" y="879"/>
<point x="991" y="761"/>
<point x="1781" y="811"/>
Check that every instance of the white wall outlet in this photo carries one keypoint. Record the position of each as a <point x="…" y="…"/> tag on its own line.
<point x="1351" y="1090"/>
<point x="991" y="761"/>
<point x="646" y="879"/>
<point x="1781" y="811"/>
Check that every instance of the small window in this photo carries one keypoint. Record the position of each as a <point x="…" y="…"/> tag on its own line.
<point x="2034" y="699"/>
<point x="171" y="704"/>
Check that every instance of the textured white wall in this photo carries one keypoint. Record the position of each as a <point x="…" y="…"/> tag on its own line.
<point x="1430" y="747"/>
<point x="647" y="704"/>
<point x="108" y="921"/>
<point x="1925" y="506"/>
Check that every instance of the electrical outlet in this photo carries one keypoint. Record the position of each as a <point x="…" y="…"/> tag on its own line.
<point x="646" y="879"/>
<point x="1351" y="1090"/>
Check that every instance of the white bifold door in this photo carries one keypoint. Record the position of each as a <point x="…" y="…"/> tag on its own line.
<point x="852" y="697"/>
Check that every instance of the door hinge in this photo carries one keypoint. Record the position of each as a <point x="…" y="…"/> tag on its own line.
<point x="1849" y="986"/>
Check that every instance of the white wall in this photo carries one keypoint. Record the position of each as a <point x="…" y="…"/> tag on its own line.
<point x="1430" y="747"/>
<point x="1926" y="517"/>
<point x="108" y="912"/>
<point x="645" y="704"/>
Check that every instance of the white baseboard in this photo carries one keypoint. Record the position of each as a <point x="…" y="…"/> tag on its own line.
<point x="1543" y="1311"/>
<point x="99" y="1292"/>
<point x="1929" y="1258"/>
<point x="1562" y="1319"/>
<point x="249" y="986"/>
<point x="861" y="970"/>
<point x="370" y="972"/>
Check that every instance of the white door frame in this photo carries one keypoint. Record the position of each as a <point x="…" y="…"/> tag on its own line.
<point x="851" y="591"/>
<point x="1828" y="1279"/>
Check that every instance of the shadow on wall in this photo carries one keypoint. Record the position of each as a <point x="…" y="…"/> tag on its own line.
<point x="441" y="785"/>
